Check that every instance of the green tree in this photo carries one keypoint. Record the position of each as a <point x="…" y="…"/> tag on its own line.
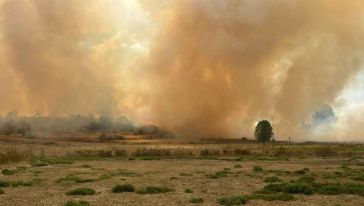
<point x="263" y="131"/>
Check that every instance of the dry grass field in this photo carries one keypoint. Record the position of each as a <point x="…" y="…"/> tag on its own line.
<point x="35" y="172"/>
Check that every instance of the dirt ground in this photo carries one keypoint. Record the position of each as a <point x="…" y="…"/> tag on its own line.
<point x="178" y="174"/>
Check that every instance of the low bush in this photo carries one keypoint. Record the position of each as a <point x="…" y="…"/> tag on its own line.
<point x="123" y="188"/>
<point x="4" y="183"/>
<point x="234" y="200"/>
<point x="257" y="169"/>
<point x="291" y="188"/>
<point x="272" y="179"/>
<point x="79" y="203"/>
<point x="154" y="190"/>
<point x="81" y="191"/>
<point x="218" y="175"/>
<point x="8" y="172"/>
<point x="185" y="174"/>
<point x="104" y="153"/>
<point x="210" y="152"/>
<point x="75" y="179"/>
<point x="152" y="152"/>
<point x="120" y="153"/>
<point x="336" y="189"/>
<point x="22" y="183"/>
<point x="39" y="161"/>
<point x="12" y="155"/>
<point x="2" y="191"/>
<point x="307" y="179"/>
<point x="110" y="138"/>
<point x="188" y="190"/>
<point x="325" y="151"/>
<point x="298" y="188"/>
<point x="309" y="188"/>
<point x="196" y="200"/>
<point x="241" y="152"/>
<point x="272" y="197"/>
<point x="302" y="171"/>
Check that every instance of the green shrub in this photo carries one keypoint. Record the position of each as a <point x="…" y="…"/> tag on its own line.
<point x="359" y="177"/>
<point x="298" y="188"/>
<point x="1" y="191"/>
<point x="110" y="138"/>
<point x="235" y="200"/>
<point x="257" y="169"/>
<point x="120" y="153"/>
<point x="272" y="179"/>
<point x="85" y="180"/>
<point x="207" y="152"/>
<point x="152" y="152"/>
<point x="292" y="188"/>
<point x="81" y="191"/>
<point x="21" y="183"/>
<point x="196" y="200"/>
<point x="218" y="175"/>
<point x="104" y="176"/>
<point x="307" y="179"/>
<point x="325" y="151"/>
<point x="123" y="188"/>
<point x="336" y="189"/>
<point x="79" y="203"/>
<point x="4" y="183"/>
<point x="188" y="190"/>
<point x="8" y="172"/>
<point x="39" y="161"/>
<point x="154" y="190"/>
<point x="272" y="197"/>
<point x="302" y="171"/>
<point x="75" y="179"/>
<point x="12" y="155"/>
<point x="237" y="166"/>
<point x="185" y="174"/>
<point x="241" y="152"/>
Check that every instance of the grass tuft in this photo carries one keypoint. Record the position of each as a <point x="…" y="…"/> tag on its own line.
<point x="234" y="200"/>
<point x="79" y="203"/>
<point x="219" y="174"/>
<point x="8" y="172"/>
<point x="272" y="179"/>
<point x="196" y="200"/>
<point x="272" y="197"/>
<point x="188" y="190"/>
<point x="154" y="190"/>
<point x="257" y="169"/>
<point x="123" y="188"/>
<point x="81" y="191"/>
<point x="291" y="188"/>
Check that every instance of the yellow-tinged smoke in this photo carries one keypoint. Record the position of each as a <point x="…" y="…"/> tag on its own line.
<point x="196" y="67"/>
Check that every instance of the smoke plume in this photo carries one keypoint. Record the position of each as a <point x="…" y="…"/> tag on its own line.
<point x="196" y="67"/>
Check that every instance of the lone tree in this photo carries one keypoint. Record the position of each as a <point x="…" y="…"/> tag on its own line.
<point x="263" y="131"/>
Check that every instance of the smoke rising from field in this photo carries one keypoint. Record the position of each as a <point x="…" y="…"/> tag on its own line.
<point x="195" y="67"/>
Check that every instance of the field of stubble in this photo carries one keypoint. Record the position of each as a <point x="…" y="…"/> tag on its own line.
<point x="161" y="173"/>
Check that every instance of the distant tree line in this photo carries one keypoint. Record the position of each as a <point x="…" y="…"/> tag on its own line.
<point x="29" y="125"/>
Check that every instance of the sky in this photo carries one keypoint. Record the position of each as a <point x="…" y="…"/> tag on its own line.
<point x="196" y="67"/>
